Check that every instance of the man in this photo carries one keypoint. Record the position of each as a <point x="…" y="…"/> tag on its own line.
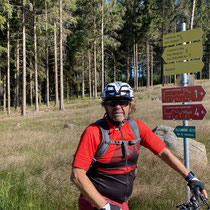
<point x="105" y="161"/>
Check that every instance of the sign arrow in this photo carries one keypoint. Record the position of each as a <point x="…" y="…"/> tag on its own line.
<point x="183" y="67"/>
<point x="185" y="132"/>
<point x="184" y="112"/>
<point x="182" y="52"/>
<point x="182" y="36"/>
<point x="183" y="94"/>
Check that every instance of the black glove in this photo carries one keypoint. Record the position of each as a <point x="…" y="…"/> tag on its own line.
<point x="111" y="207"/>
<point x="195" y="183"/>
<point x="114" y="207"/>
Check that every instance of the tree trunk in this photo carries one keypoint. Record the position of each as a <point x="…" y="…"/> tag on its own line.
<point x="61" y="57"/>
<point x="142" y="70"/>
<point x="175" y="32"/>
<point x="134" y="47"/>
<point x="148" y="74"/>
<point x="136" y="67"/>
<point x="95" y="64"/>
<point x="56" y="66"/>
<point x="89" y="70"/>
<point x="47" y="58"/>
<point x="192" y="14"/>
<point x="36" y="68"/>
<point x="139" y="72"/>
<point x="209" y="65"/>
<point x="115" y="68"/>
<point x="67" y="88"/>
<point x="31" y="82"/>
<point x="162" y="32"/>
<point x="152" y="65"/>
<point x="4" y="93"/>
<point x="8" y="68"/>
<point x="1" y="89"/>
<point x="83" y="77"/>
<point x="201" y="75"/>
<point x="17" y="76"/>
<point x="102" y="47"/>
<point x="40" y="93"/>
<point x="127" y="69"/>
<point x="24" y="65"/>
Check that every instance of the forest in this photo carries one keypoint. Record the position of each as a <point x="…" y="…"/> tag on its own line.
<point x="52" y="51"/>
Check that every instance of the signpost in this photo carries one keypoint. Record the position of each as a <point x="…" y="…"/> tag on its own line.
<point x="184" y="112"/>
<point x="190" y="80"/>
<point x="178" y="59"/>
<point x="183" y="67"/>
<point x="182" y="52"/>
<point x="185" y="132"/>
<point x="183" y="94"/>
<point x="182" y="36"/>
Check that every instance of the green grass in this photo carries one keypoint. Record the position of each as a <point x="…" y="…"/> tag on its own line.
<point x="165" y="201"/>
<point x="36" y="152"/>
<point x="17" y="193"/>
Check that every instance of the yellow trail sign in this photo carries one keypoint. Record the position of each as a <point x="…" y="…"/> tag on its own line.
<point x="182" y="36"/>
<point x="182" y="52"/>
<point x="182" y="67"/>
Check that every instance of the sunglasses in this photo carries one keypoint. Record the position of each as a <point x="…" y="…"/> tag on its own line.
<point x="113" y="103"/>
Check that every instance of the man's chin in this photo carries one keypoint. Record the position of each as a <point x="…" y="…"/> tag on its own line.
<point x="118" y="119"/>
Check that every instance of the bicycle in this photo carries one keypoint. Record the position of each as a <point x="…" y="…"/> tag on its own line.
<point x="197" y="201"/>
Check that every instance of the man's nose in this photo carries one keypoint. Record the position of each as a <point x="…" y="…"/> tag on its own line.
<point x="117" y="106"/>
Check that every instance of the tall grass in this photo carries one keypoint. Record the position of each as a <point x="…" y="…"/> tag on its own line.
<point x="36" y="154"/>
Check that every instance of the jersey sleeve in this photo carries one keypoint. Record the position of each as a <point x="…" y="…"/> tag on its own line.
<point x="87" y="147"/>
<point x="149" y="139"/>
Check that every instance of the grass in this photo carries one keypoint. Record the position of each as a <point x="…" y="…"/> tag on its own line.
<point x="36" y="152"/>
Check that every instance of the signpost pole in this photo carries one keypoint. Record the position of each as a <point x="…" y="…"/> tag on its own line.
<point x="185" y="123"/>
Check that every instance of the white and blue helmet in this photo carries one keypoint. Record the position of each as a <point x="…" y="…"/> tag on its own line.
<point x="117" y="89"/>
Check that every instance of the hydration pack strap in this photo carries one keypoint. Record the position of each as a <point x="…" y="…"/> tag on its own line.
<point x="102" y="124"/>
<point x="135" y="128"/>
<point x="102" y="148"/>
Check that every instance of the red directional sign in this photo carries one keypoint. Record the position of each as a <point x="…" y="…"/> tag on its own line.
<point x="183" y="94"/>
<point x="184" y="112"/>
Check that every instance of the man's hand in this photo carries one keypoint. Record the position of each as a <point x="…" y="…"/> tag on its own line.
<point x="194" y="183"/>
<point x="110" y="206"/>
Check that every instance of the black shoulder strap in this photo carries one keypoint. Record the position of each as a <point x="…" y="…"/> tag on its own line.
<point x="103" y="146"/>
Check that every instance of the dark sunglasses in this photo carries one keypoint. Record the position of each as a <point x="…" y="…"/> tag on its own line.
<point x="122" y="103"/>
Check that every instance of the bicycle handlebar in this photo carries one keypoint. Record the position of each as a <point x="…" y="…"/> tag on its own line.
<point x="195" y="203"/>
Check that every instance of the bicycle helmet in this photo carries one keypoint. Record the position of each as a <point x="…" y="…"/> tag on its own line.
<point x="117" y="89"/>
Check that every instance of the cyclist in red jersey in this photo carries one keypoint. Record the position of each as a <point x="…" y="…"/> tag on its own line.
<point x="106" y="182"/>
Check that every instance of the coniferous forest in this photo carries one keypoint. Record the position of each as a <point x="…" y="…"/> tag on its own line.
<point x="51" y="51"/>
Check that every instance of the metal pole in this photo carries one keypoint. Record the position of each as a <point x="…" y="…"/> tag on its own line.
<point x="185" y="123"/>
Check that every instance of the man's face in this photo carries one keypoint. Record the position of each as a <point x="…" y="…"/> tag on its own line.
<point x="117" y="109"/>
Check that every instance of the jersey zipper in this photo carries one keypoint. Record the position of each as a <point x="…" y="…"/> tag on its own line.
<point x="126" y="157"/>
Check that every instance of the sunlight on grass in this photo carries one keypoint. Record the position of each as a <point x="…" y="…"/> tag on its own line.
<point x="36" y="154"/>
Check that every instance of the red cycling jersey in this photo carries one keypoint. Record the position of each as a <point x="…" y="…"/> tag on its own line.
<point x="113" y="174"/>
<point x="91" y="138"/>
